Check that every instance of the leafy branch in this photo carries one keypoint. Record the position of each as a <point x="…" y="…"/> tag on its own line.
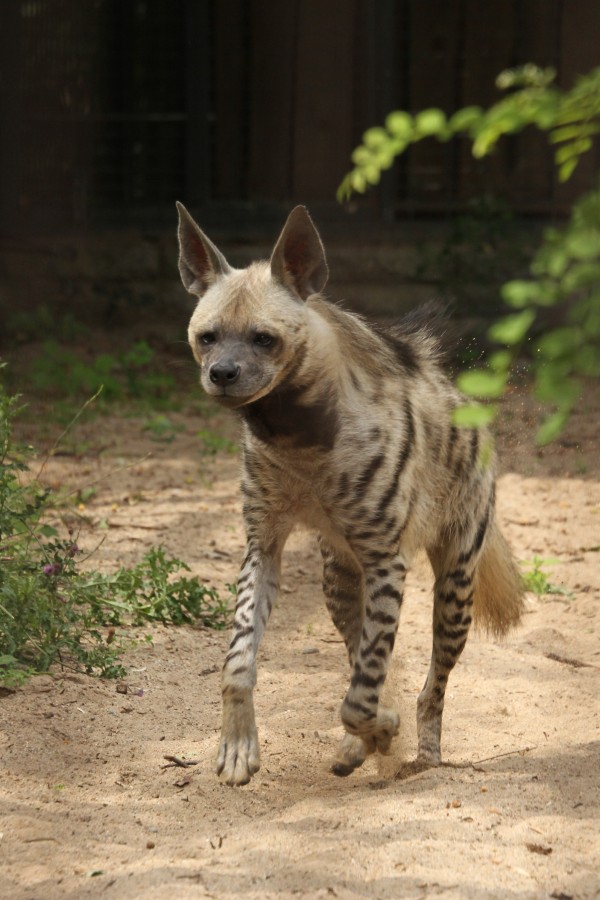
<point x="566" y="269"/>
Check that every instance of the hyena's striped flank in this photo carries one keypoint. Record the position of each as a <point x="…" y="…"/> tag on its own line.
<point x="347" y="430"/>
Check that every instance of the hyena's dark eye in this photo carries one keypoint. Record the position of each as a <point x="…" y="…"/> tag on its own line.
<point x="262" y="339"/>
<point x="209" y="337"/>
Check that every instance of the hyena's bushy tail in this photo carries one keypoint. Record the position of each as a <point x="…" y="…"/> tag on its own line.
<point x="498" y="600"/>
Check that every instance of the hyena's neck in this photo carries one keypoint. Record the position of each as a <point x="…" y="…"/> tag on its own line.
<point x="302" y="411"/>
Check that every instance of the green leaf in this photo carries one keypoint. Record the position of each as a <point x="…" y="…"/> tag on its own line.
<point x="482" y="383"/>
<point x="500" y="361"/>
<point x="7" y="660"/>
<point x="512" y="329"/>
<point x="551" y="427"/>
<point x="576" y="131"/>
<point x="552" y="385"/>
<point x="583" y="274"/>
<point x="521" y="293"/>
<point x="572" y="151"/>
<point x="584" y="243"/>
<point x="361" y="156"/>
<point x="358" y="181"/>
<point x="375" y="137"/>
<point x="560" y="342"/>
<point x="552" y="259"/>
<point x="567" y="168"/>
<point x="465" y="118"/>
<point x="345" y="188"/>
<point x="400" y="124"/>
<point x="587" y="361"/>
<point x="430" y="122"/>
<point x="473" y="416"/>
<point x="372" y="173"/>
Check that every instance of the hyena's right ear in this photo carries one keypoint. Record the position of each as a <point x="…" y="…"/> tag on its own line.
<point x="298" y="260"/>
<point x="200" y="263"/>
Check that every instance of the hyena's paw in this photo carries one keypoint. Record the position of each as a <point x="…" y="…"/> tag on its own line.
<point x="377" y="732"/>
<point x="429" y="731"/>
<point x="351" y="753"/>
<point x="238" y="759"/>
<point x="239" y="755"/>
<point x="428" y="757"/>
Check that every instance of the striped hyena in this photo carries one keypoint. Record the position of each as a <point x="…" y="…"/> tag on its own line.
<point x="347" y="429"/>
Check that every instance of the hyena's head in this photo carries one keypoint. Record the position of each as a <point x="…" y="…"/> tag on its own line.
<point x="249" y="329"/>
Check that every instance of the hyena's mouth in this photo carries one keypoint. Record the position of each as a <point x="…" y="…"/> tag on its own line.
<point x="231" y="401"/>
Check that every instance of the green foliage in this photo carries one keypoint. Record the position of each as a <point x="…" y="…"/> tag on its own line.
<point x="130" y="375"/>
<point x="52" y="611"/>
<point x="213" y="443"/>
<point x="565" y="272"/>
<point x="571" y="118"/>
<point x="42" y="323"/>
<point x="536" y="580"/>
<point x="162" y="428"/>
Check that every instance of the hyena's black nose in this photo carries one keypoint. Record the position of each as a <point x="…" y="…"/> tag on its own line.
<point x="224" y="373"/>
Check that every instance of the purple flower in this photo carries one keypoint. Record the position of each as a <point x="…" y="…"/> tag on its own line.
<point x="52" y="569"/>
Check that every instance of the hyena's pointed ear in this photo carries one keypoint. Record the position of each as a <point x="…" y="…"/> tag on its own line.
<point x="298" y="260"/>
<point x="200" y="263"/>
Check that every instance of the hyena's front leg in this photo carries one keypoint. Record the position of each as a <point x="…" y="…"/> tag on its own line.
<point x="362" y="714"/>
<point x="239" y="758"/>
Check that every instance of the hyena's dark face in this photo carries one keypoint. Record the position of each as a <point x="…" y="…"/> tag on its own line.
<point x="245" y="334"/>
<point x="249" y="328"/>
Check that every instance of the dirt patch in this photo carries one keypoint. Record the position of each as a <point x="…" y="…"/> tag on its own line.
<point x="88" y="808"/>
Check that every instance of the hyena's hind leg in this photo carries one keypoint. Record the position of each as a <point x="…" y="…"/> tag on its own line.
<point x="343" y="586"/>
<point x="454" y="564"/>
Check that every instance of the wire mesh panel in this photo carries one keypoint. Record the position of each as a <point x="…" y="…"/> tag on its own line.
<point x="111" y="109"/>
<point x="94" y="109"/>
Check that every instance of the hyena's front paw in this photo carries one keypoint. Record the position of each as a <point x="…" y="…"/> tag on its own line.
<point x="351" y="753"/>
<point x="376" y="732"/>
<point x="239" y="755"/>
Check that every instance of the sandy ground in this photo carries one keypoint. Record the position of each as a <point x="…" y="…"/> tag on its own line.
<point x="88" y="809"/>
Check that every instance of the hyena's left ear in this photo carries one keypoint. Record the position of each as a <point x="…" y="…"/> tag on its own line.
<point x="200" y="263"/>
<point x="298" y="260"/>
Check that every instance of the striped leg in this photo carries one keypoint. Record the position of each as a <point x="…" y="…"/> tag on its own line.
<point x="454" y="569"/>
<point x="362" y="713"/>
<point x="343" y="589"/>
<point x="238" y="757"/>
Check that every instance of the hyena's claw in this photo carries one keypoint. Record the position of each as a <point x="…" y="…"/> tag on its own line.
<point x="238" y="760"/>
<point x="350" y="754"/>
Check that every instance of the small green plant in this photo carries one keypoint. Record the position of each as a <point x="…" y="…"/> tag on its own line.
<point x="54" y="612"/>
<point x="162" y="428"/>
<point x="536" y="580"/>
<point x="42" y="322"/>
<point x="125" y="376"/>
<point x="215" y="443"/>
